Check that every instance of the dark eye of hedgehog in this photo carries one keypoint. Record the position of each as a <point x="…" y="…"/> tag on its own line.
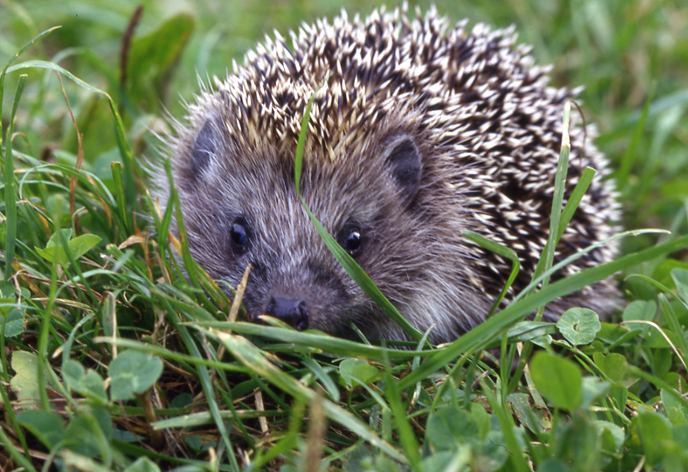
<point x="351" y="239"/>
<point x="239" y="234"/>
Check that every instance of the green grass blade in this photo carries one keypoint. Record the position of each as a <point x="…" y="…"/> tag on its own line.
<point x="14" y="58"/>
<point x="36" y="64"/>
<point x="575" y="199"/>
<point x="12" y="451"/>
<point x="323" y="342"/>
<point x="507" y="426"/>
<point x="406" y="436"/>
<point x="670" y="389"/>
<point x="189" y="263"/>
<point x="517" y="311"/>
<point x="120" y="195"/>
<point x="558" y="197"/>
<point x="560" y="265"/>
<point x="675" y="326"/>
<point x="10" y="196"/>
<point x="208" y="389"/>
<point x="503" y="251"/>
<point x="254" y="359"/>
<point x="567" y="214"/>
<point x="44" y="336"/>
<point x="130" y="163"/>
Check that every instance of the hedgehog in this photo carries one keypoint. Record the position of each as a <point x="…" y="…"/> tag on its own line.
<point x="418" y="132"/>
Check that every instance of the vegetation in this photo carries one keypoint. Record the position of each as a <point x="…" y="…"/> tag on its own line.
<point x="113" y="359"/>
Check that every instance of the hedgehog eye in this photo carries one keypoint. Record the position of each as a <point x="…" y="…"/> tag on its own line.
<point x="351" y="239"/>
<point x="239" y="233"/>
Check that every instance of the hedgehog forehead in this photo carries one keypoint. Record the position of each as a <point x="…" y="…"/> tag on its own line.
<point x="256" y="116"/>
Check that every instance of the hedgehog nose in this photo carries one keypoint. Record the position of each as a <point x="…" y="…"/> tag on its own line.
<point x="292" y="311"/>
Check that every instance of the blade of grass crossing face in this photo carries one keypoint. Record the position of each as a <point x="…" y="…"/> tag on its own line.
<point x="301" y="144"/>
<point x="361" y="278"/>
<point x="346" y="261"/>
<point x="10" y="197"/>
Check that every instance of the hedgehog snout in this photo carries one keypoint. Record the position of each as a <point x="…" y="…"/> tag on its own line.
<point x="292" y="311"/>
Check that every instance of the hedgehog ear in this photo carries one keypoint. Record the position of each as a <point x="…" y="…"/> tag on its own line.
<point x="404" y="160"/>
<point x="204" y="148"/>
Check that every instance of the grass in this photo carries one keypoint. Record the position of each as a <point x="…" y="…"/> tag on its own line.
<point x="112" y="360"/>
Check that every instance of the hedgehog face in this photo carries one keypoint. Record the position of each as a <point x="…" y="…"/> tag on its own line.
<point x="240" y="206"/>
